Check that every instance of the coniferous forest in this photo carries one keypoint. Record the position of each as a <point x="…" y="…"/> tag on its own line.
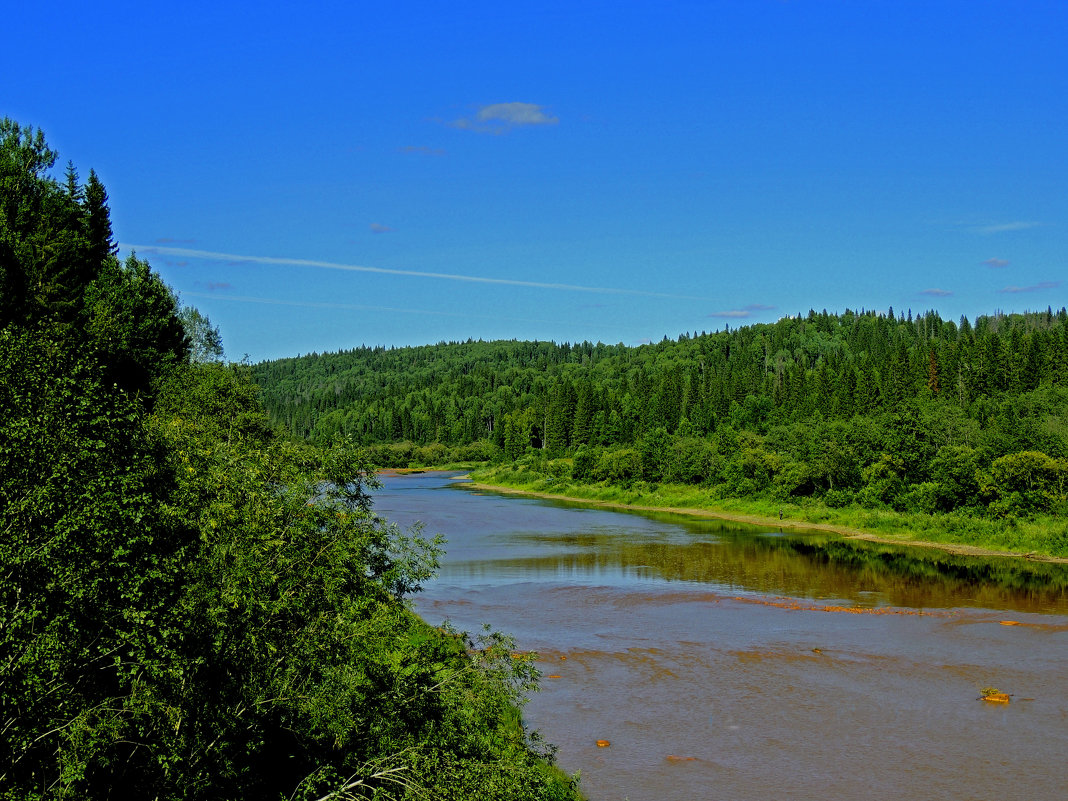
<point x="876" y="410"/>
<point x="191" y="605"/>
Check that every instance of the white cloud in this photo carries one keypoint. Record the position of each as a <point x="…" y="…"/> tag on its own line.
<point x="1012" y="290"/>
<point x="747" y="311"/>
<point x="236" y="259"/>
<point x="516" y="114"/>
<point x="353" y="306"/>
<point x="996" y="264"/>
<point x="378" y="228"/>
<point x="1001" y="228"/>
<point x="938" y="293"/>
<point x="498" y="118"/>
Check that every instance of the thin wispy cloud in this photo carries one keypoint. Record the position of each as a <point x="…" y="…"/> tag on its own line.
<point x="937" y="293"/>
<point x="235" y="259"/>
<point x="498" y="118"/>
<point x="356" y="307"/>
<point x="742" y="313"/>
<point x="214" y="286"/>
<point x="1012" y="290"/>
<point x="996" y="264"/>
<point x="1001" y="228"/>
<point x="166" y="240"/>
<point x="378" y="228"/>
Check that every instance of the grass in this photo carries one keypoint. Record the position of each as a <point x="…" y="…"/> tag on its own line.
<point x="419" y="467"/>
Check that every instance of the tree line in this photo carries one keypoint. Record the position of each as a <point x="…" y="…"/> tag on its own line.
<point x="866" y="407"/>
<point x="191" y="605"/>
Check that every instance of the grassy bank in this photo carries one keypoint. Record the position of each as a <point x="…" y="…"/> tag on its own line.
<point x="1040" y="537"/>
<point x="430" y="468"/>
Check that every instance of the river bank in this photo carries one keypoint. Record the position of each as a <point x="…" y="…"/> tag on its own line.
<point x="705" y="654"/>
<point x="755" y="518"/>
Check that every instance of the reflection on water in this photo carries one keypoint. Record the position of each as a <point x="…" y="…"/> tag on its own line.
<point x="526" y="540"/>
<point x="727" y="662"/>
<point x="747" y="562"/>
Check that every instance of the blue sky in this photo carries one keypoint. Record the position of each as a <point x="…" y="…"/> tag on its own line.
<point x="319" y="176"/>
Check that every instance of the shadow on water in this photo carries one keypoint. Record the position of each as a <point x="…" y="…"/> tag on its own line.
<point x="737" y="557"/>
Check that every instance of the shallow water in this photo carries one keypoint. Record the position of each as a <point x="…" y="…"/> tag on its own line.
<point x="732" y="662"/>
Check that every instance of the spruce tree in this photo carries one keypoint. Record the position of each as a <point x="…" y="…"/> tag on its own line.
<point x="101" y="243"/>
<point x="24" y="162"/>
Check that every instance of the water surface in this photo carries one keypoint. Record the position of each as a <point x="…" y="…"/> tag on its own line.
<point x="733" y="662"/>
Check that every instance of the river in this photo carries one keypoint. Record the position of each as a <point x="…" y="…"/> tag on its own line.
<point x="733" y="662"/>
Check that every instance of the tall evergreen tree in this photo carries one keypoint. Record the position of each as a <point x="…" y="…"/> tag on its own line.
<point x="24" y="162"/>
<point x="98" y="221"/>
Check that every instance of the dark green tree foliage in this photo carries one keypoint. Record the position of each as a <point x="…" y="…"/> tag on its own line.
<point x="192" y="607"/>
<point x="132" y="317"/>
<point x="851" y="408"/>
<point x="24" y="192"/>
<point x="87" y="586"/>
<point x="309" y="671"/>
<point x="54" y="240"/>
<point x="98" y="222"/>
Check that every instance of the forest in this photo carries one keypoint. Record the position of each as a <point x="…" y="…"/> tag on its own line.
<point x="864" y="409"/>
<point x="192" y="604"/>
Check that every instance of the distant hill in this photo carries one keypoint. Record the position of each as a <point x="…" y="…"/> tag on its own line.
<point x="860" y="407"/>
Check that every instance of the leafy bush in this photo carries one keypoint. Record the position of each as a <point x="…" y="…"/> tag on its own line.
<point x="584" y="464"/>
<point x="837" y="499"/>
<point x="622" y="466"/>
<point x="922" y="498"/>
<point x="1021" y="484"/>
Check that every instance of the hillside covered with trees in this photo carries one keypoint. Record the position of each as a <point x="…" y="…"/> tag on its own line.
<point x="866" y="409"/>
<point x="192" y="606"/>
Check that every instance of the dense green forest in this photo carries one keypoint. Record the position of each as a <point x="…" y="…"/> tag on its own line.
<point x="192" y="606"/>
<point x="868" y="409"/>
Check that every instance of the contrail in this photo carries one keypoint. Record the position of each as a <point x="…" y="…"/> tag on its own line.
<point x="353" y="306"/>
<point x="329" y="265"/>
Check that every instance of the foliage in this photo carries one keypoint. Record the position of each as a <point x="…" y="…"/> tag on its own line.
<point x="205" y="342"/>
<point x="1022" y="483"/>
<point x="132" y="319"/>
<point x="862" y="408"/>
<point x="48" y="233"/>
<point x="192" y="606"/>
<point x="88" y="587"/>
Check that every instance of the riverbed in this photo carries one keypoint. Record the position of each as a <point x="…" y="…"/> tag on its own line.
<point x="722" y="661"/>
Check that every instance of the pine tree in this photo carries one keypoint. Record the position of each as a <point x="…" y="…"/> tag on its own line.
<point x="932" y="372"/>
<point x="582" y="431"/>
<point x="74" y="188"/>
<point x="101" y="242"/>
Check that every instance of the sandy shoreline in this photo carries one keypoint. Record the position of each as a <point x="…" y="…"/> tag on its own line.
<point x="958" y="549"/>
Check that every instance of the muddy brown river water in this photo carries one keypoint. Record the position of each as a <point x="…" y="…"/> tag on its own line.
<point x="733" y="662"/>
